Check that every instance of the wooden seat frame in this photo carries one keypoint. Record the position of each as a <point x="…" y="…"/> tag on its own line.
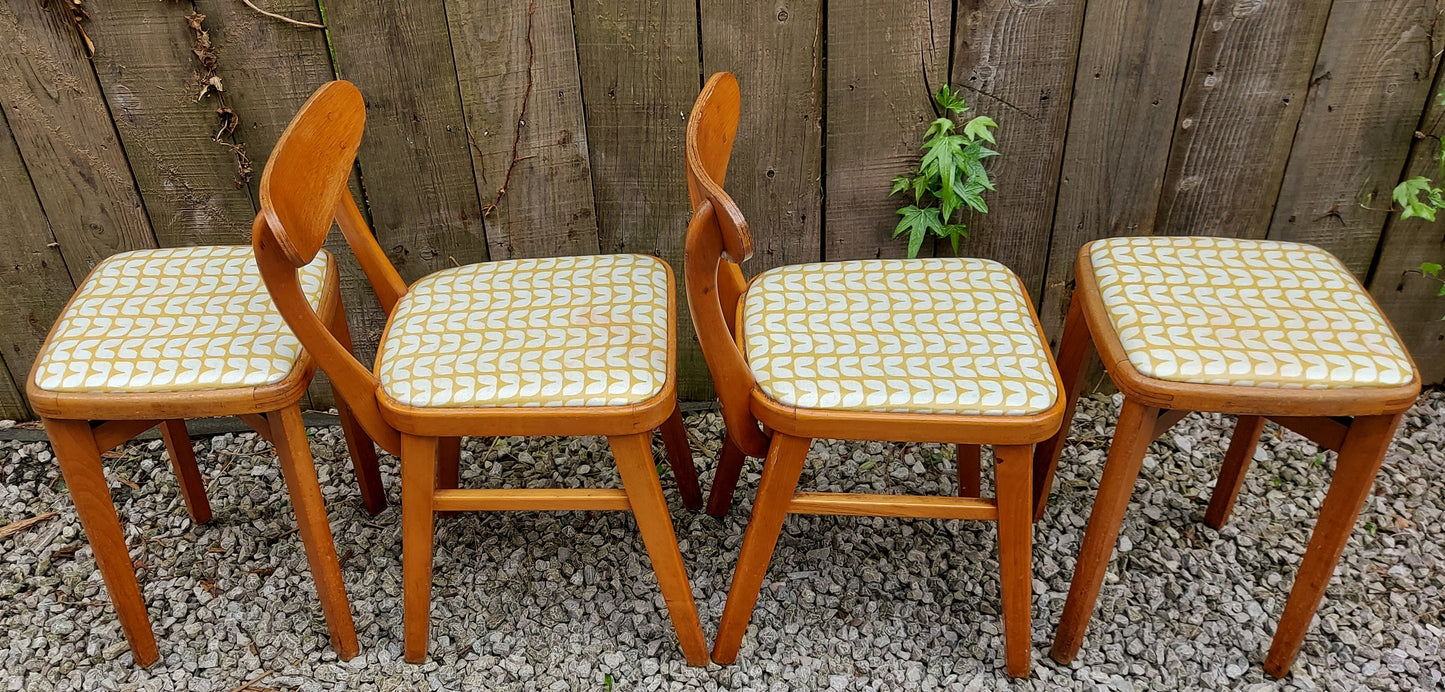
<point x="82" y="425"/>
<point x="302" y="192"/>
<point x="1358" y="423"/>
<point x="759" y="426"/>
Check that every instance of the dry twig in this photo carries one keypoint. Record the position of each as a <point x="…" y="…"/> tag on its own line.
<point x="21" y="525"/>
<point x="521" y="117"/>
<point x="283" y="17"/>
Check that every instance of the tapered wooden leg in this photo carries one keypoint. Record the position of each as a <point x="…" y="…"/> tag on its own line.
<point x="1131" y="438"/>
<point x="449" y="459"/>
<point x="418" y="486"/>
<point x="1231" y="475"/>
<point x="644" y="492"/>
<point x="183" y="462"/>
<point x="775" y="492"/>
<point x="1359" y="460"/>
<point x="1075" y="347"/>
<point x="79" y="460"/>
<point x="970" y="475"/>
<point x="363" y="451"/>
<point x="292" y="449"/>
<point x="679" y="455"/>
<point x="725" y="480"/>
<point x="1014" y="472"/>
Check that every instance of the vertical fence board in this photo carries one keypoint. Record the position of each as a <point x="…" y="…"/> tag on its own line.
<point x="59" y="120"/>
<point x="1132" y="60"/>
<point x="776" y="171"/>
<point x="1370" y="83"/>
<point x="1016" y="61"/>
<point x="193" y="191"/>
<point x="517" y="62"/>
<point x="640" y="75"/>
<point x="884" y="61"/>
<point x="12" y="404"/>
<point x="1249" y="72"/>
<point x="33" y="277"/>
<point x="415" y="164"/>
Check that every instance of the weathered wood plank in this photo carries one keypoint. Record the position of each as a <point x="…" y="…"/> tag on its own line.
<point x="1016" y="61"/>
<point x="12" y="404"/>
<point x="1132" y="58"/>
<point x="1408" y="297"/>
<point x="885" y="59"/>
<point x="1370" y="83"/>
<point x="415" y="161"/>
<point x="639" y="78"/>
<point x="1249" y="72"/>
<point x="33" y="277"/>
<point x="517" y="63"/>
<point x="152" y="79"/>
<point x="58" y="116"/>
<point x="776" y="171"/>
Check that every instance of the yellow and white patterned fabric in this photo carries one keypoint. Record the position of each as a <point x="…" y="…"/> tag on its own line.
<point x="941" y="336"/>
<point x="1244" y="312"/>
<point x="171" y="320"/>
<point x="565" y="331"/>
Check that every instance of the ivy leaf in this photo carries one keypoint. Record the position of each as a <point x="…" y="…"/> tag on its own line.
<point x="978" y="129"/>
<point x="1431" y="269"/>
<point x="954" y="232"/>
<point x="917" y="223"/>
<point x="947" y="101"/>
<point x="938" y="128"/>
<point x="900" y="183"/>
<point x="1407" y="195"/>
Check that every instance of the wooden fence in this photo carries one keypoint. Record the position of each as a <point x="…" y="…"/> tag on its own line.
<point x="501" y="129"/>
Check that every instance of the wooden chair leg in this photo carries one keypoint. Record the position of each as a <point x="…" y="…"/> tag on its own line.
<point x="418" y="486"/>
<point x="1231" y="475"/>
<point x="970" y="475"/>
<point x="288" y="433"/>
<point x="183" y="462"/>
<point x="679" y="456"/>
<point x="1359" y="460"/>
<point x="80" y="463"/>
<point x="775" y="492"/>
<point x="1014" y="469"/>
<point x="449" y="459"/>
<point x="633" y="454"/>
<point x="725" y="480"/>
<point x="363" y="451"/>
<point x="1075" y="347"/>
<point x="1126" y="454"/>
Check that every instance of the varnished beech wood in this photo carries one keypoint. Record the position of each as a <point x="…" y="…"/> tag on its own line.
<point x="1231" y="474"/>
<point x="1075" y="347"/>
<point x="679" y="457"/>
<point x="319" y="146"/>
<point x="864" y="505"/>
<point x="1167" y="420"/>
<point x="183" y="462"/>
<point x="970" y="475"/>
<point x="113" y="433"/>
<point x="258" y="423"/>
<point x="757" y="425"/>
<point x="1328" y="433"/>
<point x="358" y="443"/>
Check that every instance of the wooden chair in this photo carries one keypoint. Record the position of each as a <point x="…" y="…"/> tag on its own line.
<point x="566" y="346"/>
<point x="1261" y="329"/>
<point x="152" y="337"/>
<point x="933" y="350"/>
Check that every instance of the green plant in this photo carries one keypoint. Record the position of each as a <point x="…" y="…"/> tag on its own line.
<point x="949" y="177"/>
<point x="1408" y="194"/>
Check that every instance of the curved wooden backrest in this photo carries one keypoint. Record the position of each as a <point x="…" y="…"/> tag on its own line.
<point x="303" y="191"/>
<point x="717" y="240"/>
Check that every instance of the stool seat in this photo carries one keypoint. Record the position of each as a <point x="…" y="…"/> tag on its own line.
<point x="173" y="320"/>
<point x="1249" y="313"/>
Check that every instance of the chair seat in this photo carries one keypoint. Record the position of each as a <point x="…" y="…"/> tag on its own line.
<point x="937" y="336"/>
<point x="172" y="320"/>
<point x="568" y="331"/>
<point x="1259" y="313"/>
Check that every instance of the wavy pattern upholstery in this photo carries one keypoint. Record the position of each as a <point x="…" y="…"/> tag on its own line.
<point x="1246" y="313"/>
<point x="911" y="336"/>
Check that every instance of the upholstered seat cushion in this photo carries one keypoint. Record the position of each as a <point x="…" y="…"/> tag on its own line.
<point x="1244" y="312"/>
<point x="173" y="319"/>
<point x="567" y="331"/>
<point x="942" y="336"/>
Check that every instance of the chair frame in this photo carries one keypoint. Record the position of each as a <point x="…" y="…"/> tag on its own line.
<point x="82" y="425"/>
<point x="1358" y="423"/>
<point x="756" y="425"/>
<point x="302" y="192"/>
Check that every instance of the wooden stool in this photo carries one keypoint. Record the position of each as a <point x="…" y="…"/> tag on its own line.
<point x="153" y="337"/>
<point x="1261" y="329"/>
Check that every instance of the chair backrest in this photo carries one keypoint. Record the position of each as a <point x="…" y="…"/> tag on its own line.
<point x="717" y="240"/>
<point x="303" y="191"/>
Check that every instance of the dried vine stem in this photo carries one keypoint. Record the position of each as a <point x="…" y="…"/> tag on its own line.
<point x="209" y="82"/>
<point x="282" y="17"/>
<point x="521" y="117"/>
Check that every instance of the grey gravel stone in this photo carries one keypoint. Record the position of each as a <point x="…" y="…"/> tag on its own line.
<point x="568" y="600"/>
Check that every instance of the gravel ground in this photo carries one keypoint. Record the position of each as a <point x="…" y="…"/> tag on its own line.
<point x="568" y="600"/>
